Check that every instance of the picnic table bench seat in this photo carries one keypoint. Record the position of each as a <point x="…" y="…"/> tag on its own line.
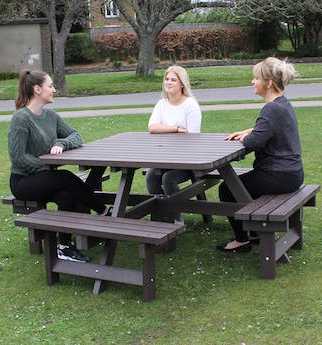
<point x="149" y="234"/>
<point x="238" y="171"/>
<point x="281" y="213"/>
<point x="215" y="172"/>
<point x="28" y="206"/>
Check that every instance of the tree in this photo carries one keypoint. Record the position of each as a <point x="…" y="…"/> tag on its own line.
<point x="11" y="9"/>
<point x="61" y="14"/>
<point x="148" y="18"/>
<point x="297" y="14"/>
<point x="67" y="11"/>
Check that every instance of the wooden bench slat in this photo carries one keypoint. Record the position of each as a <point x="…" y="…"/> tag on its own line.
<point x="98" y="232"/>
<point x="297" y="200"/>
<point x="238" y="171"/>
<point x="261" y="214"/>
<point x="246" y="212"/>
<point x="8" y="200"/>
<point x="216" y="173"/>
<point x="85" y="218"/>
<point x="99" y="226"/>
<point x="277" y="207"/>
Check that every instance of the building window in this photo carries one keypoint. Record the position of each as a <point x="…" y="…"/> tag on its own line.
<point x="110" y="9"/>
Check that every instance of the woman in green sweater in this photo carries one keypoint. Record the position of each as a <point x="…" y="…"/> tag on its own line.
<point x="34" y="131"/>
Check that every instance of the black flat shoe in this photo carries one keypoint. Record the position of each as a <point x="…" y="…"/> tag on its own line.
<point x="244" y="248"/>
<point x="254" y="240"/>
<point x="251" y="240"/>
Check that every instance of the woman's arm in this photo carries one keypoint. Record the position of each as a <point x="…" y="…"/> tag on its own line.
<point x="67" y="137"/>
<point x="240" y="135"/>
<point x="161" y="128"/>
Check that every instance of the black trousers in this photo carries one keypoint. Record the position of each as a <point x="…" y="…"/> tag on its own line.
<point x="60" y="186"/>
<point x="259" y="182"/>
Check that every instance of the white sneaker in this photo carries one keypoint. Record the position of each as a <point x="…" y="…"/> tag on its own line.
<point x="71" y="253"/>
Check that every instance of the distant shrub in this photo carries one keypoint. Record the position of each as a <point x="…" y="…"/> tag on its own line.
<point x="8" y="75"/>
<point x="248" y="55"/>
<point x="218" y="56"/>
<point x="199" y="44"/>
<point x="117" y="64"/>
<point x="156" y="59"/>
<point x="308" y="50"/>
<point x="132" y="60"/>
<point x="117" y="46"/>
<point x="79" y="49"/>
<point x="175" y="44"/>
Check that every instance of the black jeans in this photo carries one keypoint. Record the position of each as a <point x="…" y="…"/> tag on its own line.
<point x="60" y="186"/>
<point x="259" y="182"/>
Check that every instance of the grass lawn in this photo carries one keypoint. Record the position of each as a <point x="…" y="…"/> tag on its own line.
<point x="203" y="296"/>
<point x="119" y="83"/>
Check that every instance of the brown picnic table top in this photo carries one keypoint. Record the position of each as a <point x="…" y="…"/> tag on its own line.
<point x="202" y="151"/>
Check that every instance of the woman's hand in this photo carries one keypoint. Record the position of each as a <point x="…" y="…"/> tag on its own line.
<point x="240" y="135"/>
<point x="56" y="150"/>
<point x="182" y="130"/>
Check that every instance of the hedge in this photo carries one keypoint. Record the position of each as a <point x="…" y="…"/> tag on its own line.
<point x="175" y="44"/>
<point x="79" y="49"/>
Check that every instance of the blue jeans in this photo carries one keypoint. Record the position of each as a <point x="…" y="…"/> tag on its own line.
<point x="167" y="182"/>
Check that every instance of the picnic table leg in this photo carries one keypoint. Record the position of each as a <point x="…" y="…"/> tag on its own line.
<point x="93" y="179"/>
<point x="120" y="204"/>
<point x="148" y="271"/>
<point x="107" y="258"/>
<point x="35" y="238"/>
<point x="267" y="255"/>
<point x="202" y="196"/>
<point x="296" y="223"/>
<point x="160" y="215"/>
<point x="234" y="184"/>
<point x="50" y="257"/>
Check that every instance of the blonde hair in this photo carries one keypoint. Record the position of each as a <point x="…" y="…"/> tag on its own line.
<point x="280" y="72"/>
<point x="28" y="79"/>
<point x="183" y="77"/>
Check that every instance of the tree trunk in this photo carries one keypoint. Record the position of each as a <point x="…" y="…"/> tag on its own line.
<point x="59" y="66"/>
<point x="312" y="30"/>
<point x="145" y="65"/>
<point x="294" y="33"/>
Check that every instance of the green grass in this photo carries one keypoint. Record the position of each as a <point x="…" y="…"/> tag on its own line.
<point x="203" y="296"/>
<point x="119" y="83"/>
<point x="285" y="46"/>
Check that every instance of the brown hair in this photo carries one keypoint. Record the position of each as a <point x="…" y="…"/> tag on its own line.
<point x="279" y="71"/>
<point x="27" y="80"/>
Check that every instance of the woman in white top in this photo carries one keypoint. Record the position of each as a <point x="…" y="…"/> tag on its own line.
<point x="176" y="112"/>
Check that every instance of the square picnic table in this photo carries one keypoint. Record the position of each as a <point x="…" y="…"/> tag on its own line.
<point x="129" y="151"/>
<point x="126" y="152"/>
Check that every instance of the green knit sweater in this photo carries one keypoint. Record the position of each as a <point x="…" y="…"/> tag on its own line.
<point x="31" y="136"/>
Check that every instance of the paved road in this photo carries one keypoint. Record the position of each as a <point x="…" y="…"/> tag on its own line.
<point x="150" y="98"/>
